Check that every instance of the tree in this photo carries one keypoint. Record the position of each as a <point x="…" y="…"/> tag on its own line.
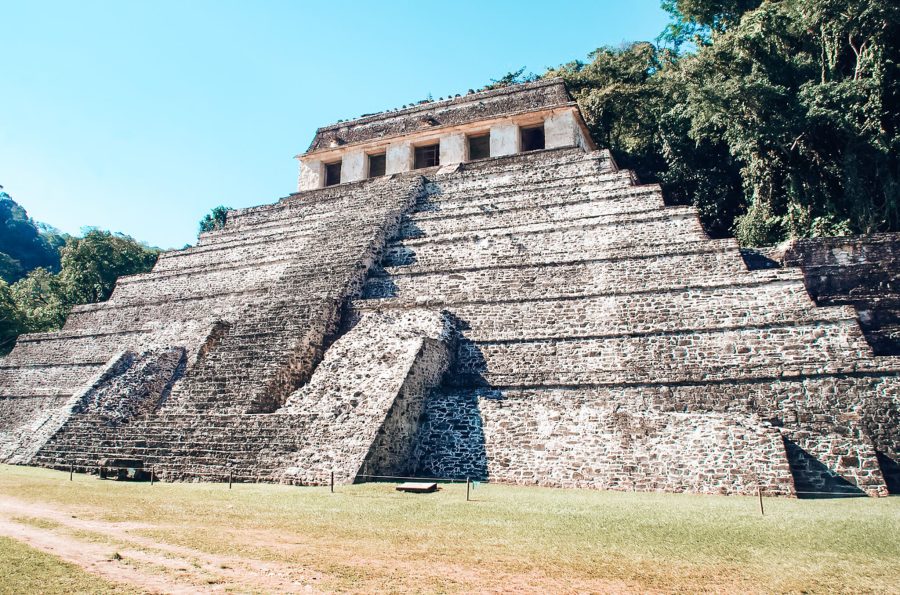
<point x="92" y="264"/>
<point x="511" y="78"/>
<point x="90" y="267"/>
<point x="42" y="301"/>
<point x="804" y="94"/>
<point x="781" y="122"/>
<point x="214" y="220"/>
<point x="11" y="324"/>
<point x="633" y="98"/>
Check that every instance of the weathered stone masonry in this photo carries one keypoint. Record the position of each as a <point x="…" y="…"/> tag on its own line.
<point x="533" y="317"/>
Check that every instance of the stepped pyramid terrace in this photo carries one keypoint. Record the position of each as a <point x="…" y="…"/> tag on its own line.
<point x="471" y="288"/>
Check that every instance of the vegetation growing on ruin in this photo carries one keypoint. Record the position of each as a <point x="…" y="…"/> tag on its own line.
<point x="370" y="538"/>
<point x="777" y="119"/>
<point x="214" y="220"/>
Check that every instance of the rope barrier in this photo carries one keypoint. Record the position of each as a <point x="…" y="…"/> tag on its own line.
<point x="153" y="472"/>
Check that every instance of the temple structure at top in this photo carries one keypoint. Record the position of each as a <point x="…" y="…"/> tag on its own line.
<point x="496" y="123"/>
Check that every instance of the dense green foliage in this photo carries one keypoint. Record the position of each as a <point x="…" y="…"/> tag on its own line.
<point x="780" y="122"/>
<point x="24" y="244"/>
<point x="215" y="219"/>
<point x="11" y="324"/>
<point x="88" y="272"/>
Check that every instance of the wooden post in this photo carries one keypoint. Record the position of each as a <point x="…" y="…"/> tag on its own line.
<point x="151" y="474"/>
<point x="762" y="510"/>
<point x="71" y="471"/>
<point x="332" y="482"/>
<point x="229" y="478"/>
<point x="468" y="485"/>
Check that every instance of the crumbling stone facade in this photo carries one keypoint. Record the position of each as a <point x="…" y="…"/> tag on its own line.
<point x="532" y="317"/>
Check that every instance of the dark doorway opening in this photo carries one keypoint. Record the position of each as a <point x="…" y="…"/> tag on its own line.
<point x="479" y="147"/>
<point x="332" y="173"/>
<point x="377" y="164"/>
<point x="427" y="156"/>
<point x="533" y="138"/>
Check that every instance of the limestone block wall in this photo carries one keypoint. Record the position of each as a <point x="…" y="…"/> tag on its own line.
<point x="580" y="297"/>
<point x="556" y="438"/>
<point x="862" y="271"/>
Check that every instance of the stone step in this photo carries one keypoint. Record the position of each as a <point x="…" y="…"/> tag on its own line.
<point x="532" y="169"/>
<point x="646" y="226"/>
<point x="443" y="222"/>
<point x="726" y="306"/>
<point x="61" y="378"/>
<point x="304" y="250"/>
<point x="69" y="346"/>
<point x="617" y="194"/>
<point x="439" y="261"/>
<point x="442" y="195"/>
<point x="549" y="243"/>
<point x="671" y="357"/>
<point x="283" y="227"/>
<point x="710" y="263"/>
<point x="375" y="195"/>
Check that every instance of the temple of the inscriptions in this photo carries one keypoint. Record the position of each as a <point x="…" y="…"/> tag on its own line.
<point x="473" y="288"/>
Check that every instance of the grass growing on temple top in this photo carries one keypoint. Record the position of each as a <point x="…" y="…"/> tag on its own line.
<point x="372" y="538"/>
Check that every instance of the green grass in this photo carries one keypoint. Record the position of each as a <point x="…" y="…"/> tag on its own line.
<point x="24" y="569"/>
<point x="369" y="536"/>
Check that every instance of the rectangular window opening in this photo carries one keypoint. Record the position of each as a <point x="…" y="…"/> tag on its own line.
<point x="479" y="147"/>
<point x="427" y="156"/>
<point x="532" y="138"/>
<point x="333" y="173"/>
<point x="377" y="165"/>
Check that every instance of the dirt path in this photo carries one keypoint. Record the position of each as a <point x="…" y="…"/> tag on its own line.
<point x="144" y="563"/>
<point x="159" y="567"/>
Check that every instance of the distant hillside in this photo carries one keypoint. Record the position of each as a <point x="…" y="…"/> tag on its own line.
<point x="24" y="243"/>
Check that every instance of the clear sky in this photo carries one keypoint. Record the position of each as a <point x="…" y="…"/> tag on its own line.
<point x="139" y="116"/>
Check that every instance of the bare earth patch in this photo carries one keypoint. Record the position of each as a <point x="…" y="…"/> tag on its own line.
<point x="115" y="552"/>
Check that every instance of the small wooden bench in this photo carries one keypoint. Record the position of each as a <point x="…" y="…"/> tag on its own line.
<point x="417" y="487"/>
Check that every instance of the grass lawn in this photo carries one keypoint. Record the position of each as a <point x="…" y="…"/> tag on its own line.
<point x="24" y="569"/>
<point x="369" y="537"/>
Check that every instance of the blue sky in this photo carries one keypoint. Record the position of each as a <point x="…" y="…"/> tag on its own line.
<point x="141" y="116"/>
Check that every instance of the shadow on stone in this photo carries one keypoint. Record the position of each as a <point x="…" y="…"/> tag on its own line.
<point x="450" y="443"/>
<point x="756" y="260"/>
<point x="398" y="256"/>
<point x="410" y="230"/>
<point x="813" y="479"/>
<point x="890" y="468"/>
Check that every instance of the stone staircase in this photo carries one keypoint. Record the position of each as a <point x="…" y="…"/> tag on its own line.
<point x="251" y="306"/>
